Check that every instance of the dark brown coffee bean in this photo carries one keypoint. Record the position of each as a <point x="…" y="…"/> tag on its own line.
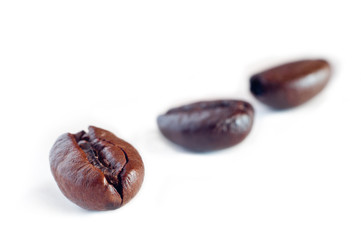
<point x="291" y="84"/>
<point x="96" y="170"/>
<point x="208" y="125"/>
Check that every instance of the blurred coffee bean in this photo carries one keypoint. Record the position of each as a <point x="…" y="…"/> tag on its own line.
<point x="290" y="84"/>
<point x="208" y="125"/>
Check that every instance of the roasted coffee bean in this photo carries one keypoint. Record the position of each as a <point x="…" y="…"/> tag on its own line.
<point x="208" y="125"/>
<point x="291" y="84"/>
<point x="96" y="170"/>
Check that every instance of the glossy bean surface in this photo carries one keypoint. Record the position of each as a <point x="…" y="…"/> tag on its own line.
<point x="291" y="84"/>
<point x="207" y="125"/>
<point x="96" y="170"/>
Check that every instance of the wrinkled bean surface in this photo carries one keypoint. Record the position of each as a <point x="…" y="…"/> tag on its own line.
<point x="96" y="170"/>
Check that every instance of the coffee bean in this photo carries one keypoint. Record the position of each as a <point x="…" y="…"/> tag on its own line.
<point x="290" y="84"/>
<point x="96" y="170"/>
<point x="208" y="125"/>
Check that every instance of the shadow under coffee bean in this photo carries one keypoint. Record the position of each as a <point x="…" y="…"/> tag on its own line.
<point x="207" y="125"/>
<point x="96" y="170"/>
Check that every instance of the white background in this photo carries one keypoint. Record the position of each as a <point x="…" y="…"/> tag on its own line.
<point x="65" y="65"/>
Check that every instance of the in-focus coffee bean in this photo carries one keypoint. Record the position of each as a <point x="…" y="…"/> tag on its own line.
<point x="96" y="170"/>
<point x="207" y="125"/>
<point x="290" y="84"/>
